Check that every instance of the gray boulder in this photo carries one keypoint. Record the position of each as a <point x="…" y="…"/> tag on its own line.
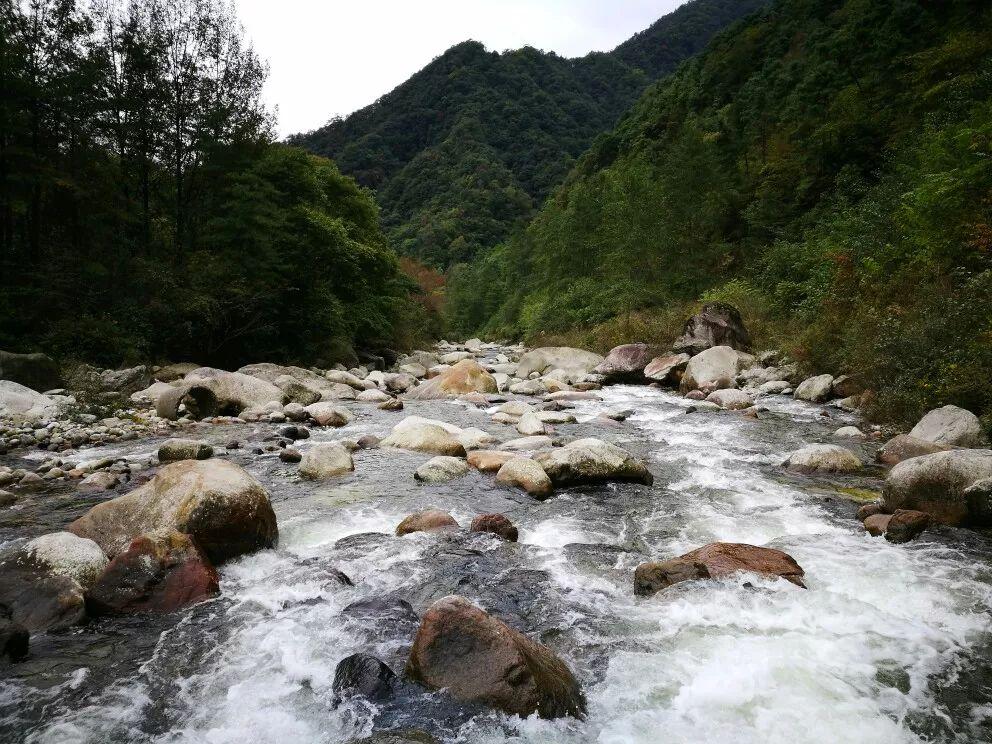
<point x="326" y="460"/>
<point x="173" y="450"/>
<point x="627" y="362"/>
<point x="208" y="392"/>
<point x="549" y="358"/>
<point x="715" y="369"/>
<point x="717" y="324"/>
<point x="938" y="484"/>
<point x="815" y="389"/>
<point x="441" y="469"/>
<point x="667" y="368"/>
<point x="591" y="461"/>
<point x="823" y="458"/>
<point x="952" y="426"/>
<point x="20" y="402"/>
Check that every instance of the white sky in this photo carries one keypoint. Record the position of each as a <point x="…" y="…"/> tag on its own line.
<point x="329" y="57"/>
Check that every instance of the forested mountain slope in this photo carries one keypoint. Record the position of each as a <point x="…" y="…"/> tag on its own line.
<point x="827" y="166"/>
<point x="463" y="152"/>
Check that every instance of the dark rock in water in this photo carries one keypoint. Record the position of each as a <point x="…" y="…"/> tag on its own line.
<point x="14" y="637"/>
<point x="290" y="455"/>
<point x="906" y="524"/>
<point x="717" y="324"/>
<point x="316" y="569"/>
<point x="294" y="433"/>
<point x="713" y="561"/>
<point x="383" y="610"/>
<point x="870" y="510"/>
<point x="157" y="573"/>
<point x="478" y="658"/>
<point x="365" y="675"/>
<point x="497" y="524"/>
<point x="36" y="371"/>
<point x="36" y="598"/>
<point x="368" y="441"/>
<point x="362" y="544"/>
<point x="399" y="736"/>
<point x="234" y="444"/>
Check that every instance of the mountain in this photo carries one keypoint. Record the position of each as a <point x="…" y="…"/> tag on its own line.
<point x="825" y="166"/>
<point x="464" y="151"/>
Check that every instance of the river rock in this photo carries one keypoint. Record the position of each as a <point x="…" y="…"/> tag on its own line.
<point x="591" y="461"/>
<point x="22" y="403"/>
<point x="365" y="675"/>
<point x="14" y="638"/>
<point x="160" y="572"/>
<point x="815" y="389"/>
<point x="627" y="362"/>
<point x="151" y="394"/>
<point x="174" y="372"/>
<point x="394" y="404"/>
<point x="716" y="324"/>
<point x="464" y="377"/>
<point x="876" y="524"/>
<point x="529" y="387"/>
<point x="667" y="369"/>
<point x="849" y="432"/>
<point x="775" y="387"/>
<point x="207" y="392"/>
<point x="823" y="458"/>
<point x="373" y="396"/>
<point x="951" y="426"/>
<point x="713" y="561"/>
<point x="489" y="461"/>
<point x="938" y="484"/>
<point x="906" y="524"/>
<point x="295" y="391"/>
<point x="328" y="414"/>
<point x="522" y="472"/>
<point x="173" y="450"/>
<point x="441" y="469"/>
<point x="66" y="554"/>
<point x="549" y="358"/>
<point x="531" y="426"/>
<point x="423" y="435"/>
<point x="903" y="447"/>
<point x="102" y="480"/>
<point x="715" y="369"/>
<point x="526" y="444"/>
<point x="731" y="400"/>
<point x="426" y="521"/>
<point x="476" y="658"/>
<point x="220" y="505"/>
<point x="37" y="598"/>
<point x="399" y="736"/>
<point x="36" y="371"/>
<point x="340" y="377"/>
<point x="326" y="460"/>
<point x="496" y="524"/>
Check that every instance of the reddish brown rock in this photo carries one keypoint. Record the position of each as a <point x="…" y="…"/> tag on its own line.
<point x="713" y="561"/>
<point x="497" y="524"/>
<point x="906" y="524"/>
<point x="478" y="658"/>
<point x="876" y="524"/>
<point x="870" y="510"/>
<point x="157" y="573"/>
<point x="490" y="461"/>
<point x="426" y="521"/>
<point x="667" y="369"/>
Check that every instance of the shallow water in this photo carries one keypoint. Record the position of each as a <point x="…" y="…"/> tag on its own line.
<point x="888" y="644"/>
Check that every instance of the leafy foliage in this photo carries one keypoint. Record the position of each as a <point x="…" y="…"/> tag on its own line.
<point x="827" y="163"/>
<point x="462" y="152"/>
<point x="145" y="212"/>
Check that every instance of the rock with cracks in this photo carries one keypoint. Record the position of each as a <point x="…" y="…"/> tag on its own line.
<point x="714" y="561"/>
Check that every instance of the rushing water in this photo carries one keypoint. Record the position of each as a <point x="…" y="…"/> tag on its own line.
<point x="888" y="644"/>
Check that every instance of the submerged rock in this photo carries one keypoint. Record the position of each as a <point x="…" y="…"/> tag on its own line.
<point x="477" y="658"/>
<point x="14" y="638"/>
<point x="36" y="597"/>
<point x="951" y="426"/>
<point x="713" y="561"/>
<point x="220" y="505"/>
<point x="591" y="461"/>
<point x="905" y="524"/>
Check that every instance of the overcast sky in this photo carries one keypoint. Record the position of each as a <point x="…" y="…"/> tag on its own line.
<point x="329" y="57"/>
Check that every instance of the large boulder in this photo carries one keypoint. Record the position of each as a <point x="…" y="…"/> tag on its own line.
<point x="713" y="561"/>
<point x="478" y="658"/>
<point x="208" y="392"/>
<point x="938" y="484"/>
<point x="36" y="371"/>
<point x="952" y="426"/>
<point x="66" y="554"/>
<point x="22" y="403"/>
<point x="823" y="458"/>
<point x="667" y="369"/>
<point x="815" y="389"/>
<point x="36" y="595"/>
<point x="160" y="572"/>
<point x="903" y="447"/>
<point x="717" y="324"/>
<point x="326" y="460"/>
<point x="522" y="472"/>
<point x="627" y="362"/>
<point x="151" y="394"/>
<point x="549" y="358"/>
<point x="422" y="435"/>
<point x="591" y="461"/>
<point x="174" y="372"/>
<point x="715" y="369"/>
<point x="467" y="376"/>
<point x="122" y="381"/>
<point x="731" y="400"/>
<point x="216" y="502"/>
